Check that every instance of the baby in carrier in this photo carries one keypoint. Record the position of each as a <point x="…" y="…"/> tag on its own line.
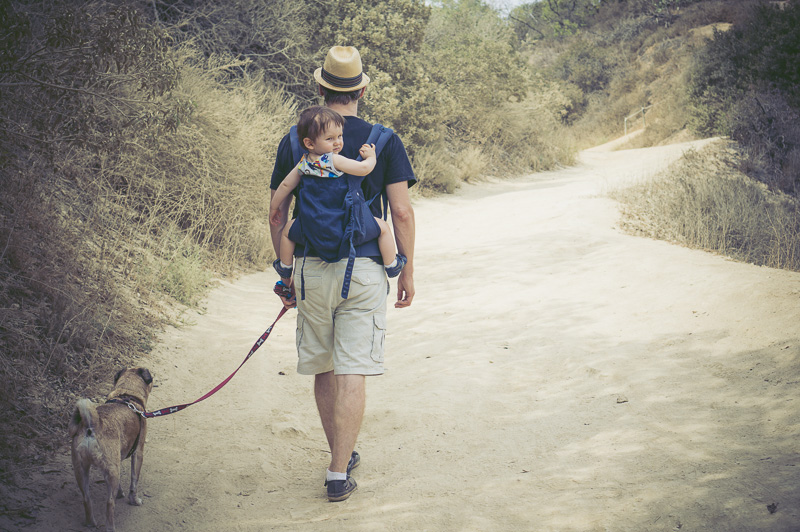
<point x="320" y="129"/>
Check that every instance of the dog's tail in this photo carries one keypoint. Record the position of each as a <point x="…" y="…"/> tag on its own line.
<point x="84" y="418"/>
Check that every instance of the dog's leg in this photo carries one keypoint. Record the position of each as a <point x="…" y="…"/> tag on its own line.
<point x="136" y="467"/>
<point x="82" y="476"/>
<point x="112" y="483"/>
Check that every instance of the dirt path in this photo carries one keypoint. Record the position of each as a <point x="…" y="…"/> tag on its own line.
<point x="553" y="374"/>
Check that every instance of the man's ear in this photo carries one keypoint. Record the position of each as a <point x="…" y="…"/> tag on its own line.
<point x="363" y="90"/>
<point x="308" y="143"/>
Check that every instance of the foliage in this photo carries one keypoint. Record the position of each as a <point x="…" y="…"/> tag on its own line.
<point x="268" y="37"/>
<point x="662" y="11"/>
<point x="552" y="18"/>
<point x="469" y="58"/>
<point x="129" y="169"/>
<point x="585" y="65"/>
<point x="745" y="84"/>
<point x="74" y="84"/>
<point x="389" y="35"/>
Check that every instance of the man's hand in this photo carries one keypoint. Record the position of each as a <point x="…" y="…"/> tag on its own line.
<point x="405" y="289"/>
<point x="285" y="290"/>
<point x="276" y="217"/>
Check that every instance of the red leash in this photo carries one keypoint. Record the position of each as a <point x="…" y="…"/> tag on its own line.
<point x="259" y="342"/>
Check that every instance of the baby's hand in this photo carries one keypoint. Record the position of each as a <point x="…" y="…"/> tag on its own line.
<point x="367" y="151"/>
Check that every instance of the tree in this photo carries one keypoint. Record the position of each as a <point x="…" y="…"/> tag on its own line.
<point x="745" y="83"/>
<point x="272" y="36"/>
<point x="389" y="36"/>
<point x="548" y="18"/>
<point x="471" y="60"/>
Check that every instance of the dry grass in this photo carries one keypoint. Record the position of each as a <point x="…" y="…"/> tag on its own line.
<point x="98" y="247"/>
<point x="518" y="137"/>
<point x="704" y="201"/>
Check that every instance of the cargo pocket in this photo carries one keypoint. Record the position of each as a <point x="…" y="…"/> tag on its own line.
<point x="378" y="337"/>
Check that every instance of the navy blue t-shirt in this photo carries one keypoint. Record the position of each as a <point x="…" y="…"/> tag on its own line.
<point x="392" y="166"/>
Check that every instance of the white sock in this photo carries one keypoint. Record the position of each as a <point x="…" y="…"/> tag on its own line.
<point x="331" y="476"/>
<point x="393" y="264"/>
<point x="286" y="265"/>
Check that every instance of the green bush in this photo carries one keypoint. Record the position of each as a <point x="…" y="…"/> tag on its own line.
<point x="586" y="65"/>
<point x="552" y="19"/>
<point x="389" y="35"/>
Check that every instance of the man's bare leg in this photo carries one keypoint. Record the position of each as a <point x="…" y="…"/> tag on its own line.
<point x="340" y="401"/>
<point x="325" y="394"/>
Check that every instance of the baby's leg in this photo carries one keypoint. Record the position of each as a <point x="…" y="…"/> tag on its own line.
<point x="386" y="242"/>
<point x="287" y="246"/>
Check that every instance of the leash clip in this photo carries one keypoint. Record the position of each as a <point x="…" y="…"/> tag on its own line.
<point x="133" y="407"/>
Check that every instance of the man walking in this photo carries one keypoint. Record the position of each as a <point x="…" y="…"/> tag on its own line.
<point x="341" y="341"/>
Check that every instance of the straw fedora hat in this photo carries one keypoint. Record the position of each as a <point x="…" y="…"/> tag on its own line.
<point x="342" y="70"/>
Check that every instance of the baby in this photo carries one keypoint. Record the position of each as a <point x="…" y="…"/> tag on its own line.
<point x="321" y="132"/>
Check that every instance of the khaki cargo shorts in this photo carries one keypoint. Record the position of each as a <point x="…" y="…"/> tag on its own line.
<point x="341" y="335"/>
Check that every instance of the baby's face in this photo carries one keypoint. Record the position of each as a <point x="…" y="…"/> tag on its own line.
<point x="331" y="140"/>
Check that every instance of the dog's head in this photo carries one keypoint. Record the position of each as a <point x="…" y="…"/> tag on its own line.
<point x="136" y="382"/>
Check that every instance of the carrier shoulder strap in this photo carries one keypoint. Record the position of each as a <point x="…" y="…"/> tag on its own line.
<point x="297" y="148"/>
<point x="379" y="136"/>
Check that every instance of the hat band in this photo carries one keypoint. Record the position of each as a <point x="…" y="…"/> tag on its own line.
<point x="342" y="83"/>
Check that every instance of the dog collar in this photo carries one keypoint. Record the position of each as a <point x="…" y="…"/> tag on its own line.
<point x="129" y="402"/>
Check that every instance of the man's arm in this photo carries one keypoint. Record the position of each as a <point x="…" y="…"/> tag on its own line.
<point x="404" y="232"/>
<point x="276" y="229"/>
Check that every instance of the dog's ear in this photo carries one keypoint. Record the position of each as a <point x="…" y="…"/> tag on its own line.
<point x="145" y="375"/>
<point x="118" y="375"/>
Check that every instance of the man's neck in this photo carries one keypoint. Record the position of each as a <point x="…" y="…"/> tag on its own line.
<point x="350" y="109"/>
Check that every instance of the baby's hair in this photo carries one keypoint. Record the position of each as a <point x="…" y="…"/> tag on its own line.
<point x="315" y="120"/>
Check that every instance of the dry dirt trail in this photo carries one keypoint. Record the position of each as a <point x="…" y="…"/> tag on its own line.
<point x="553" y="374"/>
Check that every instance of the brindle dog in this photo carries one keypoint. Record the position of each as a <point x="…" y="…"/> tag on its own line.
<point x="104" y="435"/>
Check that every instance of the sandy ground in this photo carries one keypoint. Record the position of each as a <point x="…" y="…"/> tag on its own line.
<point x="553" y="374"/>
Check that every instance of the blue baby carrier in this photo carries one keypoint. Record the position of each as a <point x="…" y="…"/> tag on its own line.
<point x="333" y="216"/>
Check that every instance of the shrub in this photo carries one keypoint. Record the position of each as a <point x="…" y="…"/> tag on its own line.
<point x="436" y="171"/>
<point x="553" y="18"/>
<point x="76" y="83"/>
<point x="746" y="84"/>
<point x="468" y="56"/>
<point x="267" y="39"/>
<point x="769" y="126"/>
<point x="703" y="201"/>
<point x="130" y="172"/>
<point x="585" y="65"/>
<point x="388" y="35"/>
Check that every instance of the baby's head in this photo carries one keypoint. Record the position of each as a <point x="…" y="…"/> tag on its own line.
<point x="320" y="129"/>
